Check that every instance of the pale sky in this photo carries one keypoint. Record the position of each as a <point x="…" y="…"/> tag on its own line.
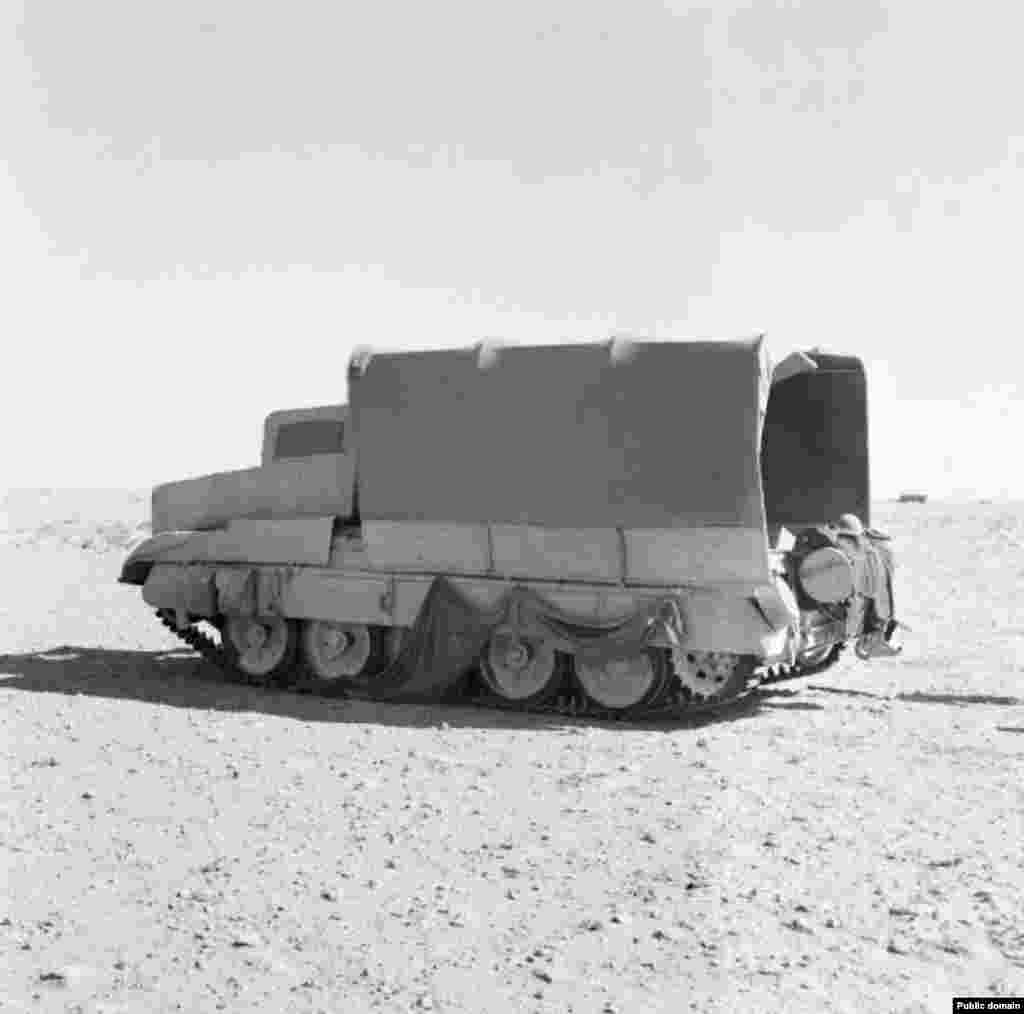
<point x="205" y="206"/>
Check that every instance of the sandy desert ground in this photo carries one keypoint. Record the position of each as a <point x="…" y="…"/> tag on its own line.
<point x="850" y="842"/>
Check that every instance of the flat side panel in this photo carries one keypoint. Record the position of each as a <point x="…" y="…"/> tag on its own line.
<point x="641" y="435"/>
<point x="300" y="541"/>
<point x="309" y="487"/>
<point x="323" y="596"/>
<point x="698" y="556"/>
<point x="717" y="621"/>
<point x="435" y="547"/>
<point x="562" y="554"/>
<point x="180" y="587"/>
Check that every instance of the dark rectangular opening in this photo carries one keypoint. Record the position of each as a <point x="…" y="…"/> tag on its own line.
<point x="814" y="448"/>
<point x="308" y="437"/>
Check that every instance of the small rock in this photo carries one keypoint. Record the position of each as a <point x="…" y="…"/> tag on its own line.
<point x="660" y="934"/>
<point x="87" y="795"/>
<point x="539" y="973"/>
<point x="57" y="978"/>
<point x="328" y="895"/>
<point x="592" y="925"/>
<point x="246" y="940"/>
<point x="798" y="926"/>
<point x="647" y="837"/>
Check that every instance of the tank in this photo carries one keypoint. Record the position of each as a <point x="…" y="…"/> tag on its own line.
<point x="623" y="529"/>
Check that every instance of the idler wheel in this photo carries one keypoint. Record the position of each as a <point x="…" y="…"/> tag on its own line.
<point x="621" y="684"/>
<point x="523" y="670"/>
<point x="261" y="648"/>
<point x="818" y="659"/>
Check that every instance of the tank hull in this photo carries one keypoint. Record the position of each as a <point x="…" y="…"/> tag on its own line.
<point x="713" y="620"/>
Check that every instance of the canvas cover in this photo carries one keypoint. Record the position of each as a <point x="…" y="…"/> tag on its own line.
<point x="641" y="435"/>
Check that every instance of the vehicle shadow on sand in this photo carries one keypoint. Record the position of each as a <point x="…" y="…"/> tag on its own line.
<point x="181" y="678"/>
<point x="920" y="697"/>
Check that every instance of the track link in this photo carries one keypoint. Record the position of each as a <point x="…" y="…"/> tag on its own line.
<point x="201" y="642"/>
<point x="677" y="702"/>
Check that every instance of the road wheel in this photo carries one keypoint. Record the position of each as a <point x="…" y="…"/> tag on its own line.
<point x="624" y="684"/>
<point x="349" y="653"/>
<point x="261" y="648"/>
<point x="521" y="670"/>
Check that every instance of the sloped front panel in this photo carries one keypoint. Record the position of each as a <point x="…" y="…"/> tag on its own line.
<point x="295" y="541"/>
<point x="309" y="487"/>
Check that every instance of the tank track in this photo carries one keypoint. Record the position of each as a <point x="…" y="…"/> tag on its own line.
<point x="781" y="673"/>
<point x="676" y="702"/>
<point x="201" y="642"/>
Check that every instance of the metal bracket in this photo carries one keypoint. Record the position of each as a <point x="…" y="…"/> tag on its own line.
<point x="490" y="549"/>
<point x="387" y="600"/>
<point x="623" y="555"/>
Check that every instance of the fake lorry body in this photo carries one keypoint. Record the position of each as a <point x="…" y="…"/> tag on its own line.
<point x="623" y="527"/>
